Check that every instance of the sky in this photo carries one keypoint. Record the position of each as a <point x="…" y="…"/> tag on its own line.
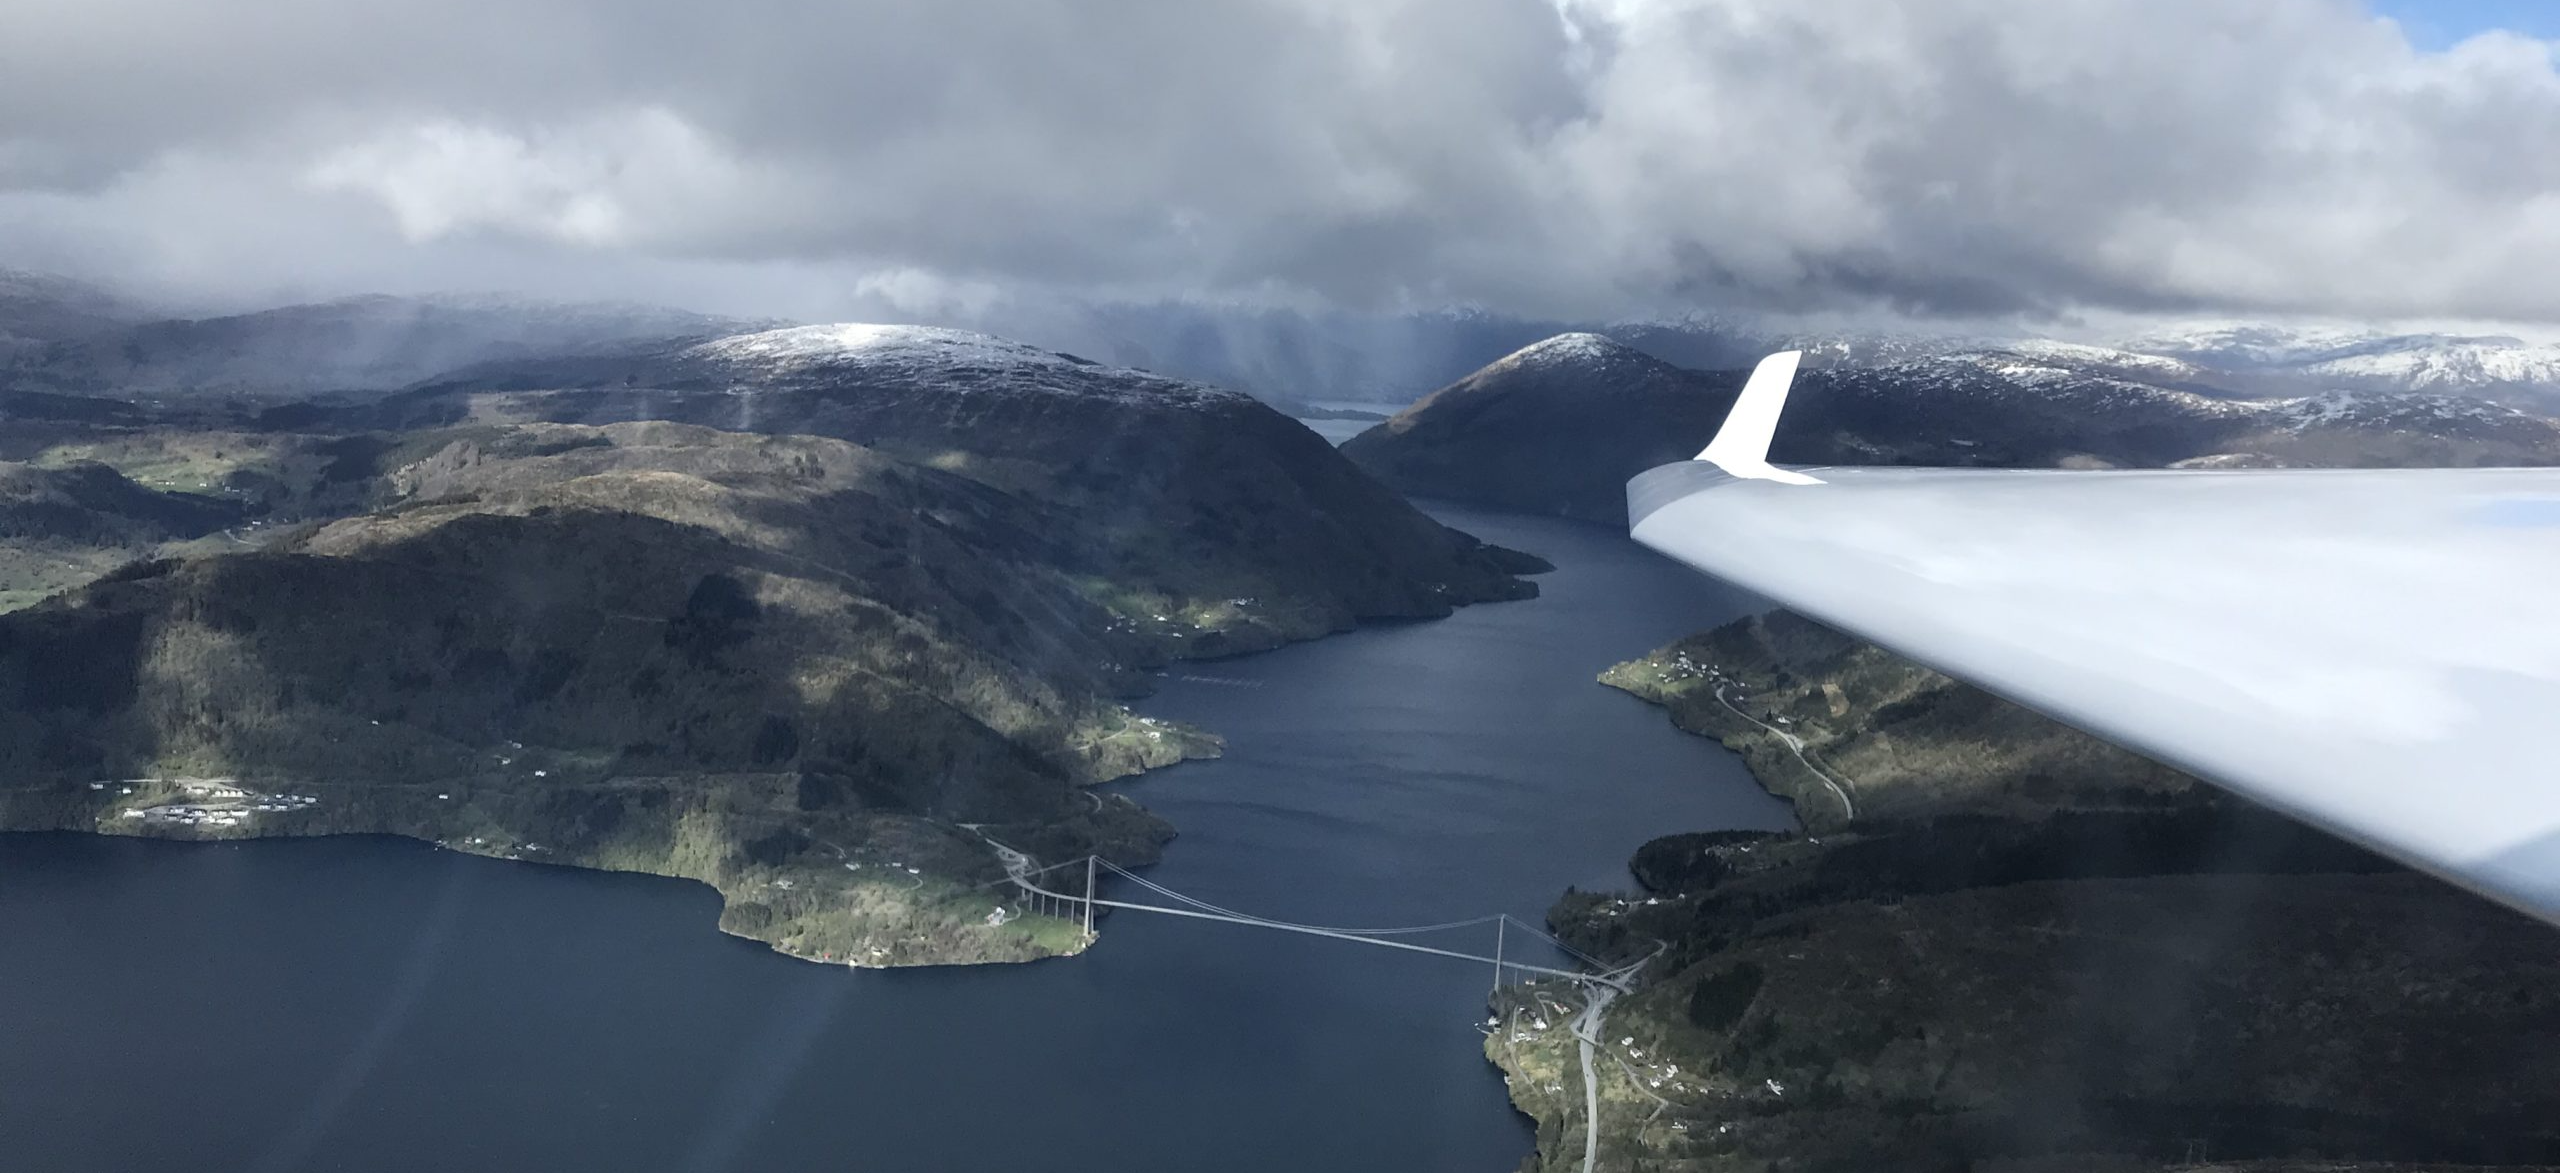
<point x="2436" y="24"/>
<point x="1555" y="159"/>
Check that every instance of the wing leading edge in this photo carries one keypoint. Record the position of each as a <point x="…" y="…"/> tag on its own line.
<point x="2366" y="651"/>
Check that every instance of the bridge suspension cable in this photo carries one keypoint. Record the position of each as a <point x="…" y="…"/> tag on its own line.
<point x="1021" y="874"/>
<point x="1205" y="906"/>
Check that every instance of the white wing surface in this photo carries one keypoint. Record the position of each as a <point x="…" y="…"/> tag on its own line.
<point x="2372" y="652"/>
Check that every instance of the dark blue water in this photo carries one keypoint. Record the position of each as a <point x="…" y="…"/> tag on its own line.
<point x="1338" y="430"/>
<point x="375" y="1004"/>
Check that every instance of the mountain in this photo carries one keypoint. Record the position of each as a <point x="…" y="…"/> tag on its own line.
<point x="90" y="502"/>
<point x="39" y="309"/>
<point x="1212" y="489"/>
<point x="809" y="672"/>
<point x="361" y="345"/>
<point x="61" y="526"/>
<point x="1541" y="429"/>
<point x="2489" y="366"/>
<point x="1342" y="357"/>
<point x="1559" y="426"/>
<point x="66" y="336"/>
<point x="747" y="660"/>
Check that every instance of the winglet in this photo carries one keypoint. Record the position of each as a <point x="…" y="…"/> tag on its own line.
<point x="1741" y="447"/>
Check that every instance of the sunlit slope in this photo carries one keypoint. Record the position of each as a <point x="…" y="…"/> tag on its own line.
<point x="62" y="526"/>
<point x="1214" y="492"/>
<point x="780" y="664"/>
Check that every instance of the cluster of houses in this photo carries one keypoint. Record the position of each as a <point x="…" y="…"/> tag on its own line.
<point x="190" y="815"/>
<point x="224" y="804"/>
<point x="1682" y="665"/>
<point x="1656" y="1075"/>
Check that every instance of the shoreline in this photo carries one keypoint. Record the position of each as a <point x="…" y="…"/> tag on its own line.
<point x="885" y="928"/>
<point x="911" y="903"/>
<point x="1857" y="991"/>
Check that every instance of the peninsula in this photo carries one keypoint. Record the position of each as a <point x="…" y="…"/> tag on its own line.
<point x="893" y="605"/>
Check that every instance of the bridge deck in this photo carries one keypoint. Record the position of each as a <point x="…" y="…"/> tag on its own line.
<point x="1023" y="882"/>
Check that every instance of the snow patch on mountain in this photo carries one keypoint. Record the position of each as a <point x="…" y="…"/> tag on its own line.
<point x="2364" y="359"/>
<point x="2098" y="384"/>
<point x="803" y="346"/>
<point x="2320" y="409"/>
<point x="1568" y="350"/>
<point x="2082" y="355"/>
<point x="2247" y="345"/>
<point x="1993" y="373"/>
<point x="2391" y="411"/>
<point x="2029" y="374"/>
<point x="961" y="361"/>
<point x="2447" y="362"/>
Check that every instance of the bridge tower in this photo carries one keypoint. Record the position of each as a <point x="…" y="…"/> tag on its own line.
<point x="1088" y="896"/>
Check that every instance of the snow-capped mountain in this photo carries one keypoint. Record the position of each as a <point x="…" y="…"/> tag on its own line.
<point x="2326" y="358"/>
<point x="2226" y="361"/>
<point x="59" y="335"/>
<point x="2059" y="398"/>
<point x="827" y="377"/>
<point x="806" y="347"/>
<point x="960" y="361"/>
<point x="2130" y="364"/>
<point x="1560" y="426"/>
<point x="1241" y="492"/>
<point x="2393" y="411"/>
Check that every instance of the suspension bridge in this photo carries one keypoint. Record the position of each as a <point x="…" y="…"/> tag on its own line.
<point x="1601" y="984"/>
<point x="1031" y="884"/>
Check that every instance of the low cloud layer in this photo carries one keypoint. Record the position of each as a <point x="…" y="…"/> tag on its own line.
<point x="1573" y="159"/>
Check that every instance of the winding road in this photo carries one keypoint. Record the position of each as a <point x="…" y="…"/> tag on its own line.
<point x="1795" y="745"/>
<point x="1586" y="1034"/>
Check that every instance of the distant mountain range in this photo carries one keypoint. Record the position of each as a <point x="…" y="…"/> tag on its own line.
<point x="2491" y="366"/>
<point x="2233" y="360"/>
<point x="1559" y="426"/>
<point x="1393" y="360"/>
<point x="61" y="336"/>
<point x="65" y="336"/>
<point x="39" y="309"/>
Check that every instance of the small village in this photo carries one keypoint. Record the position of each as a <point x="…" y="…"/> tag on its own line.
<point x="208" y="802"/>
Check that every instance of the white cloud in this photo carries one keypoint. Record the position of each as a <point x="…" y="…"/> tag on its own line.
<point x="1568" y="158"/>
<point x="633" y="180"/>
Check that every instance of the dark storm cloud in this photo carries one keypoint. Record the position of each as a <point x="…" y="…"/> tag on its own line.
<point x="1584" y="158"/>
